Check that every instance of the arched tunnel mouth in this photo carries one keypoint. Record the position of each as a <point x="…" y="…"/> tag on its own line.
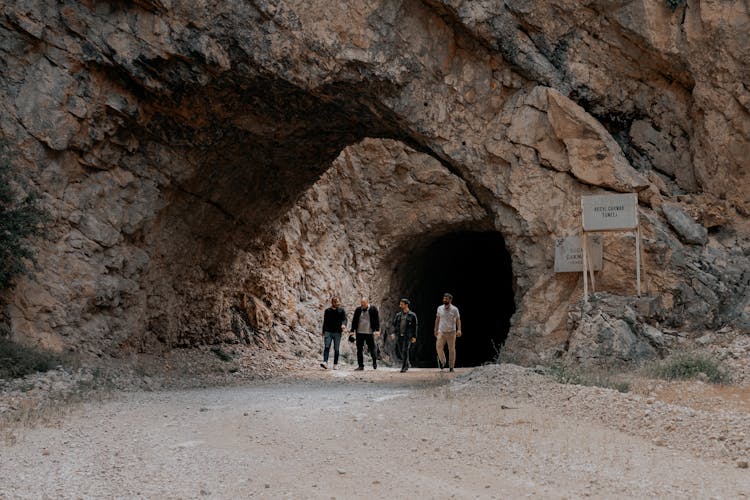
<point x="475" y="267"/>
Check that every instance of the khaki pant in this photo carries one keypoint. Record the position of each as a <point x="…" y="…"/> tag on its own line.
<point x="450" y="339"/>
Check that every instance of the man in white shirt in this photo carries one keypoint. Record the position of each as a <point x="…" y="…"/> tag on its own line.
<point x="447" y="328"/>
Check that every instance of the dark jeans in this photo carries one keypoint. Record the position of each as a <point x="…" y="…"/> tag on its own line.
<point x="334" y="337"/>
<point x="404" y="345"/>
<point x="370" y="339"/>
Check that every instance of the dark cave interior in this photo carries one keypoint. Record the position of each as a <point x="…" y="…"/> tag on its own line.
<point x="475" y="268"/>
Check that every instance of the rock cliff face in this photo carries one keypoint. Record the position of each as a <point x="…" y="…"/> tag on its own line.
<point x="216" y="170"/>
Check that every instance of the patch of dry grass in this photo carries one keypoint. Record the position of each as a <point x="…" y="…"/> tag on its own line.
<point x="689" y="366"/>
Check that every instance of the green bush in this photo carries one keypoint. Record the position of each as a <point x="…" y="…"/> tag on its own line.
<point x="690" y="365"/>
<point x="20" y="220"/>
<point x="673" y="4"/>
<point x="17" y="360"/>
<point x="221" y="354"/>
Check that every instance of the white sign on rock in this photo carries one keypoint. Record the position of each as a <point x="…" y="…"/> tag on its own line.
<point x="610" y="212"/>
<point x="569" y="254"/>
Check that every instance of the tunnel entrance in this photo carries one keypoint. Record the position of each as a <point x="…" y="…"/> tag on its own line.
<point x="476" y="268"/>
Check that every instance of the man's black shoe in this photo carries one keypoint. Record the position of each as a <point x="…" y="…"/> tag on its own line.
<point x="359" y="368"/>
<point x="374" y="367"/>
<point x="451" y="369"/>
<point x="404" y="370"/>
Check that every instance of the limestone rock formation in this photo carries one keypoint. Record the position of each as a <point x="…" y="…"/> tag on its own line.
<point x="215" y="170"/>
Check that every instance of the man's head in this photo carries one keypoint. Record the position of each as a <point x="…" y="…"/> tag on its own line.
<point x="447" y="298"/>
<point x="404" y="304"/>
<point x="365" y="302"/>
<point x="335" y="302"/>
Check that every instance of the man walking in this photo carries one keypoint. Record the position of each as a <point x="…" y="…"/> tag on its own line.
<point x="334" y="323"/>
<point x="366" y="325"/>
<point x="405" y="324"/>
<point x="447" y="328"/>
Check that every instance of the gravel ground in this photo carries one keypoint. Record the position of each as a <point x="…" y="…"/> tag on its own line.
<point x="497" y="431"/>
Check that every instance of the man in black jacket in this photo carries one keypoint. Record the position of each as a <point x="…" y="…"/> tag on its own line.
<point x="334" y="323"/>
<point x="366" y="325"/>
<point x="405" y="328"/>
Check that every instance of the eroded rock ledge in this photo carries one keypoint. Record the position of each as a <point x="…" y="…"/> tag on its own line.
<point x="215" y="172"/>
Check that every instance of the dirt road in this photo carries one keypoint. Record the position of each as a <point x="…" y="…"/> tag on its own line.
<point x="497" y="432"/>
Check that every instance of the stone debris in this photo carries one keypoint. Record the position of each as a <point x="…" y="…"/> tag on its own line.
<point x="716" y="432"/>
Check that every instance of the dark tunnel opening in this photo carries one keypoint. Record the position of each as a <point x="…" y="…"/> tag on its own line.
<point x="475" y="268"/>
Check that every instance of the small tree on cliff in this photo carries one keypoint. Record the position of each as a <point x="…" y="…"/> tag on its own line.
<point x="673" y="4"/>
<point x="20" y="220"/>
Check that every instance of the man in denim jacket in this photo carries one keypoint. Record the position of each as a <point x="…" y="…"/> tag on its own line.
<point x="405" y="328"/>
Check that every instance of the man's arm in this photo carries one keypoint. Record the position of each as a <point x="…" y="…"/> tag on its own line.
<point x="437" y="320"/>
<point x="376" y="322"/>
<point x="458" y="326"/>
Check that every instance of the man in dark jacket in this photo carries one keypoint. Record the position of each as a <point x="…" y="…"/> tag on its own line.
<point x="334" y="323"/>
<point x="405" y="328"/>
<point x="366" y="325"/>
